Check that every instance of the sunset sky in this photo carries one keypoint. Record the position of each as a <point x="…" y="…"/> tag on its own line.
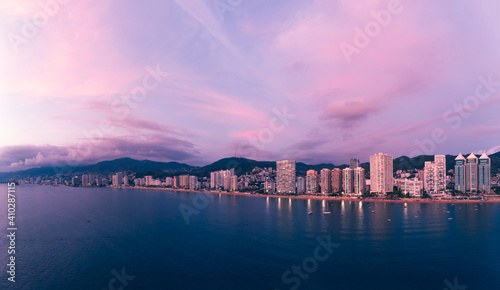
<point x="215" y="73"/>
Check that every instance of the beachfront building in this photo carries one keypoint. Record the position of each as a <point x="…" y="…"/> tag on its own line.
<point x="348" y="181"/>
<point x="471" y="173"/>
<point x="117" y="179"/>
<point x="460" y="173"/>
<point x="381" y="175"/>
<point x="336" y="180"/>
<point x="285" y="177"/>
<point x="412" y="187"/>
<point x="301" y="185"/>
<point x="270" y="187"/>
<point x="484" y="174"/>
<point x="312" y="181"/>
<point x="326" y="181"/>
<point x="149" y="180"/>
<point x="359" y="180"/>
<point x="435" y="174"/>
<point x="222" y="179"/>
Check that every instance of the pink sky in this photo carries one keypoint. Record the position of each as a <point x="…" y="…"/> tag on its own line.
<point x="221" y="76"/>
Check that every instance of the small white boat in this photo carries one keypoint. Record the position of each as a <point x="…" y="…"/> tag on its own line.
<point x="310" y="212"/>
<point x="327" y="212"/>
<point x="388" y="220"/>
<point x="450" y="218"/>
<point x="373" y="211"/>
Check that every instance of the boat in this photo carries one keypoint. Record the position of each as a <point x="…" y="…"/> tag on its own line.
<point x="388" y="220"/>
<point x="310" y="212"/>
<point x="326" y="211"/>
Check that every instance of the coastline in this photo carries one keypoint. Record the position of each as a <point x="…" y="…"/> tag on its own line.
<point x="329" y="198"/>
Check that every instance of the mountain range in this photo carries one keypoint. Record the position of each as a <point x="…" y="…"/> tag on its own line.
<point x="241" y="166"/>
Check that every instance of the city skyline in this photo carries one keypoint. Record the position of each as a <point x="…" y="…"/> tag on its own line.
<point x="266" y="81"/>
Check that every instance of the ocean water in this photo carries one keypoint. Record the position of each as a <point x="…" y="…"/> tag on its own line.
<point x="83" y="238"/>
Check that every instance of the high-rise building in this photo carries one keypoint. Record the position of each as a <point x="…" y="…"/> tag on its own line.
<point x="336" y="180"/>
<point x="169" y="181"/>
<point x="359" y="180"/>
<point x="440" y="172"/>
<point x="222" y="179"/>
<point x="312" y="181"/>
<point x="353" y="163"/>
<point x="348" y="180"/>
<point x="117" y="179"/>
<point x="213" y="179"/>
<point x="234" y="183"/>
<point x="184" y="181"/>
<point x="326" y="181"/>
<point x="285" y="176"/>
<point x="301" y="185"/>
<point x="471" y="173"/>
<point x="177" y="182"/>
<point x="149" y="180"/>
<point x="435" y="174"/>
<point x="484" y="174"/>
<point x="429" y="176"/>
<point x="193" y="182"/>
<point x="460" y="173"/>
<point x="381" y="167"/>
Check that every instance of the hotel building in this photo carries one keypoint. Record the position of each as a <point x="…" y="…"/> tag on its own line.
<point x="326" y="181"/>
<point x="435" y="174"/>
<point x="312" y="181"/>
<point x="285" y="176"/>
<point x="336" y="180"/>
<point x="381" y="167"/>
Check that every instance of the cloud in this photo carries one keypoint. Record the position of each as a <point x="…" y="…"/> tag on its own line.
<point x="152" y="147"/>
<point x="348" y="113"/>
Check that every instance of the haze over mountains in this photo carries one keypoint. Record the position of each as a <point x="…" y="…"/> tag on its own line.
<point x="241" y="166"/>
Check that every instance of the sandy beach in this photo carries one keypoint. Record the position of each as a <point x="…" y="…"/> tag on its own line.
<point x="332" y="198"/>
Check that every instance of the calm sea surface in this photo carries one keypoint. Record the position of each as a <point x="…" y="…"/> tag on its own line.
<point x="82" y="238"/>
